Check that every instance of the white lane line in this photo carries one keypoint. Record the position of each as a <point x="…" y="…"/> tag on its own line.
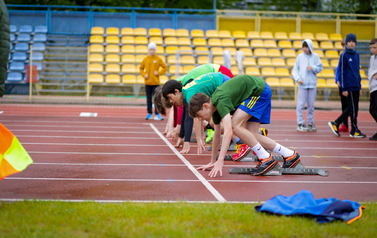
<point x="91" y="131"/>
<point x="214" y="192"/>
<point x="73" y="126"/>
<point x="109" y="180"/>
<point x="79" y="144"/>
<point x="89" y="137"/>
<point x="72" y="122"/>
<point x="94" y="153"/>
<point x="88" y="114"/>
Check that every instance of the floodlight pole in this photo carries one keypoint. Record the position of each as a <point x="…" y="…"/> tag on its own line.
<point x="214" y="5"/>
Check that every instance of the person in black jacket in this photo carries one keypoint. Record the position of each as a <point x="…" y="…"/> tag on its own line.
<point x="4" y="45"/>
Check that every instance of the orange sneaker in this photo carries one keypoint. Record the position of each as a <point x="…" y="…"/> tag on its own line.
<point x="241" y="152"/>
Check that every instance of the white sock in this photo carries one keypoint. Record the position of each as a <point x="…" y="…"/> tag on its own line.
<point x="236" y="140"/>
<point x="260" y="151"/>
<point x="284" y="151"/>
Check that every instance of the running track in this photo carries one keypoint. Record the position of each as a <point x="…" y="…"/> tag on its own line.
<point x="119" y="156"/>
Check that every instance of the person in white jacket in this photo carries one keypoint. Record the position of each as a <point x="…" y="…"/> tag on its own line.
<point x="307" y="66"/>
<point x="372" y="76"/>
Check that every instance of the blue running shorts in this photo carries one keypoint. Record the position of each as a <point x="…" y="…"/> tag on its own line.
<point x="225" y="78"/>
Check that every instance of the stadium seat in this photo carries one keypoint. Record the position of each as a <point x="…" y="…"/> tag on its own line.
<point x="42" y="47"/>
<point x="326" y="45"/>
<point x="325" y="63"/>
<point x="187" y="41"/>
<point x="127" y="49"/>
<point x="239" y="34"/>
<point x="26" y="29"/>
<point x="321" y="37"/>
<point x="187" y="59"/>
<point x="129" y="79"/>
<point x="198" y="42"/>
<point x="254" y="71"/>
<point x="96" y="39"/>
<point x="260" y="52"/>
<point x="10" y="56"/>
<point x="269" y="43"/>
<point x="39" y="65"/>
<point x="288" y="53"/>
<point x="140" y="58"/>
<point x="141" y="49"/>
<point x="172" y="69"/>
<point x="112" y="78"/>
<point x="256" y="44"/>
<point x="188" y="68"/>
<point x="321" y="83"/>
<point x="19" y="56"/>
<point x="212" y="34"/>
<point x="232" y="50"/>
<point x="156" y="39"/>
<point x="128" y="40"/>
<point x="171" y="41"/>
<point x="214" y="42"/>
<point x="163" y="79"/>
<point x="338" y="45"/>
<point x="295" y="36"/>
<point x="95" y="78"/>
<point x="127" y="31"/>
<point x="307" y="35"/>
<point x="273" y="53"/>
<point x="37" y="56"/>
<point x="287" y="82"/>
<point x="171" y="59"/>
<point x="364" y="84"/>
<point x="203" y="60"/>
<point x="140" y="31"/>
<point x="234" y="70"/>
<point x="253" y="35"/>
<point x="112" y="58"/>
<point x="331" y="54"/>
<point x="268" y="71"/>
<point x="112" y="68"/>
<point x="112" y="49"/>
<point x="330" y="83"/>
<point x="278" y="62"/>
<point x="285" y="44"/>
<point x="97" y="30"/>
<point x="315" y="45"/>
<point x="225" y="34"/>
<point x="242" y="43"/>
<point x="14" y="76"/>
<point x="182" y="33"/>
<point x="218" y="60"/>
<point x="200" y="50"/>
<point x="264" y="61"/>
<point x="363" y="75"/>
<point x="297" y="44"/>
<point x="249" y="61"/>
<point x="217" y="51"/>
<point x="327" y="73"/>
<point x="197" y="33"/>
<point x="96" y="58"/>
<point x="266" y="35"/>
<point x="160" y="50"/>
<point x="12" y="37"/>
<point x="12" y="28"/>
<point x="40" y="29"/>
<point x="128" y="58"/>
<point x="273" y="82"/>
<point x="185" y="50"/>
<point x="96" y="68"/>
<point x="17" y="66"/>
<point x="169" y="32"/>
<point x="282" y="72"/>
<point x="112" y="31"/>
<point x="171" y="50"/>
<point x="336" y="37"/>
<point x="334" y="63"/>
<point x="129" y="69"/>
<point x="320" y="53"/>
<point x="246" y="51"/>
<point x="154" y="32"/>
<point x="291" y="62"/>
<point x="227" y="42"/>
<point x="40" y="38"/>
<point x="141" y="40"/>
<point x="281" y="35"/>
<point x="23" y="38"/>
<point x="95" y="48"/>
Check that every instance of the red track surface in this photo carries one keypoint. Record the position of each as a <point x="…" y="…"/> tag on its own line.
<point x="118" y="156"/>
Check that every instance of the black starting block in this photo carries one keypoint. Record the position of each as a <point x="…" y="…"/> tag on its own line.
<point x="232" y="147"/>
<point x="251" y="158"/>
<point x="278" y="170"/>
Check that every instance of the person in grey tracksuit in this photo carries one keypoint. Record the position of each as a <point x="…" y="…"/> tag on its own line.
<point x="307" y="66"/>
<point x="372" y="76"/>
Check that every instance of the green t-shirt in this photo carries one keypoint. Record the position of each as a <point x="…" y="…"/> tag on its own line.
<point x="206" y="84"/>
<point x="200" y="70"/>
<point x="180" y="78"/>
<point x="233" y="92"/>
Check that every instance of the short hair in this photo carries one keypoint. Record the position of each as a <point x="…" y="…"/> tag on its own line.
<point x="373" y="41"/>
<point x="196" y="103"/>
<point x="305" y="44"/>
<point x="343" y="43"/>
<point x="158" y="101"/>
<point x="170" y="87"/>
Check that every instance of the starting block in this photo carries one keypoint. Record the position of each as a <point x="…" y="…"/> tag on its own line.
<point x="232" y="147"/>
<point x="278" y="170"/>
<point x="251" y="158"/>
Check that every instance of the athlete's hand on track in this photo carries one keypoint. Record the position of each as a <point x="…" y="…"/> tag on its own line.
<point x="201" y="147"/>
<point x="216" y="168"/>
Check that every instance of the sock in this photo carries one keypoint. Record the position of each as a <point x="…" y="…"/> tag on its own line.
<point x="284" y="151"/>
<point x="236" y="140"/>
<point x="260" y="151"/>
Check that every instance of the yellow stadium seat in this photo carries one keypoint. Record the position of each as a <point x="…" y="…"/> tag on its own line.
<point x="291" y="62"/>
<point x="256" y="44"/>
<point x="331" y="54"/>
<point x="278" y="62"/>
<point x="129" y="69"/>
<point x="112" y="78"/>
<point x="307" y="35"/>
<point x="363" y="75"/>
<point x="154" y="32"/>
<point x="140" y="79"/>
<point x="182" y="33"/>
<point x="112" y="40"/>
<point x="326" y="45"/>
<point x="297" y="44"/>
<point x="321" y="83"/>
<point x="266" y="35"/>
<point x="112" y="49"/>
<point x="218" y="60"/>
<point x="128" y="40"/>
<point x="273" y="53"/>
<point x="295" y="36"/>
<point x="242" y="43"/>
<point x="140" y="58"/>
<point x="112" y="58"/>
<point x="315" y="44"/>
<point x="214" y="42"/>
<point x="97" y="30"/>
<point x="264" y="62"/>
<point x="281" y="35"/>
<point x="141" y="40"/>
<point x="327" y="73"/>
<point x="172" y="59"/>
<point x="187" y="59"/>
<point x="268" y="71"/>
<point x="234" y="70"/>
<point x="273" y="82"/>
<point x="233" y="61"/>
<point x="334" y="63"/>
<point x="96" y="68"/>
<point x="129" y="79"/>
<point x="282" y="72"/>
<point x="285" y="44"/>
<point x="197" y="33"/>
<point x="330" y="83"/>
<point x="336" y="37"/>
<point x="232" y="50"/>
<point x="249" y="61"/>
<point x="188" y="68"/>
<point x="187" y="41"/>
<point x="163" y="79"/>
<point x="140" y="31"/>
<point x="254" y="71"/>
<point x="287" y="82"/>
<point x="141" y="49"/>
<point x="112" y="68"/>
<point x="96" y="39"/>
<point x="239" y="34"/>
<point x="288" y="53"/>
<point x="173" y="70"/>
<point x="203" y="60"/>
<point x="217" y="51"/>
<point x="128" y="58"/>
<point x="227" y="42"/>
<point x="325" y="63"/>
<point x="160" y="50"/>
<point x="112" y="31"/>
<point x="169" y="32"/>
<point x="185" y="50"/>
<point x="320" y="53"/>
<point x="225" y="34"/>
<point x="338" y="45"/>
<point x="260" y="52"/>
<point x="253" y="35"/>
<point x="95" y="78"/>
<point x="322" y="37"/>
<point x="95" y="58"/>
<point x="171" y="50"/>
<point x="199" y="42"/>
<point x="127" y="31"/>
<point x="364" y="84"/>
<point x="212" y="34"/>
<point x="96" y="48"/>
<point x="200" y="50"/>
<point x="269" y="43"/>
<point x="171" y="41"/>
<point x="246" y="51"/>
<point x="157" y="40"/>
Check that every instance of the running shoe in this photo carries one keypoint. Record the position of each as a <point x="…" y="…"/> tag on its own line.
<point x="302" y="128"/>
<point x="357" y="134"/>
<point x="311" y="127"/>
<point x="210" y="135"/>
<point x="158" y="117"/>
<point x="291" y="161"/>
<point x="149" y="117"/>
<point x="242" y="151"/>
<point x="264" y="166"/>
<point x="263" y="131"/>
<point x="334" y="127"/>
<point x="374" y="137"/>
<point x="343" y="128"/>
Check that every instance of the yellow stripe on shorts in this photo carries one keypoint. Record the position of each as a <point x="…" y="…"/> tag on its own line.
<point x="252" y="102"/>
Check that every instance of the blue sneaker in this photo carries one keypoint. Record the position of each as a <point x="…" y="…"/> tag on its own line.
<point x="149" y="117"/>
<point x="158" y="117"/>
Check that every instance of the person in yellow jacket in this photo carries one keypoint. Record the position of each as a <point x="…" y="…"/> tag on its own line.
<point x="150" y="70"/>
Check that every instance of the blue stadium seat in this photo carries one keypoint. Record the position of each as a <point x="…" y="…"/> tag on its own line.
<point x="26" y="29"/>
<point x="39" y="47"/>
<point x="38" y="56"/>
<point x="12" y="37"/>
<point x="19" y="56"/>
<point x="23" y="38"/>
<point x="13" y="28"/>
<point x="40" y="29"/>
<point x="17" y="66"/>
<point x="21" y="47"/>
<point x="40" y="38"/>
<point x="14" y="76"/>
<point x="39" y="65"/>
<point x="10" y="56"/>
<point x="11" y="46"/>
